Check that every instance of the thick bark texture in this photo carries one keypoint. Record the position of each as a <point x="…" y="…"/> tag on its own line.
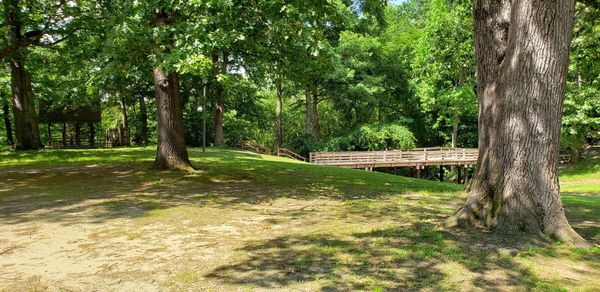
<point x="7" y="125"/>
<point x="522" y="51"/>
<point x="144" y="121"/>
<point x="309" y="115"/>
<point x="172" y="152"/>
<point x="25" y="117"/>
<point x="219" y="134"/>
<point x="278" y="111"/>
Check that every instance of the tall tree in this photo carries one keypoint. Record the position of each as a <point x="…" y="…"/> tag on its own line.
<point x="171" y="151"/>
<point x="25" y="116"/>
<point x="144" y="121"/>
<point x="522" y="51"/>
<point x="278" y="112"/>
<point x="219" y="91"/>
<point x="444" y="74"/>
<point x="123" y="106"/>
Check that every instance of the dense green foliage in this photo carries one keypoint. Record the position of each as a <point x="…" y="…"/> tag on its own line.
<point x="370" y="138"/>
<point x="363" y="64"/>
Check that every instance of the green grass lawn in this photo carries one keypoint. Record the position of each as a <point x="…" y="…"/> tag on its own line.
<point x="104" y="220"/>
<point x="583" y="177"/>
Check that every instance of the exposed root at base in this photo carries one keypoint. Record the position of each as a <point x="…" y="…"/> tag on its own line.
<point x="465" y="217"/>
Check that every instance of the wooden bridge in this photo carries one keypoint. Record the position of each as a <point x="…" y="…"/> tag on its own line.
<point x="418" y="158"/>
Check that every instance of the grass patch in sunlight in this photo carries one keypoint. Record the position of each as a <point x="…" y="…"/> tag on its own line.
<point x="583" y="177"/>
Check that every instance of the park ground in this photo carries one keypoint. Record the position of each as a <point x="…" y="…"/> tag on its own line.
<point x="84" y="220"/>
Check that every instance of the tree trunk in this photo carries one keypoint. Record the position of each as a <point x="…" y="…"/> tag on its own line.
<point x="25" y="117"/>
<point x="144" y="121"/>
<point x="123" y="109"/>
<point x="454" y="142"/>
<point x="219" y="135"/>
<point x="308" y="124"/>
<point x="49" y="134"/>
<point x="455" y="125"/>
<point x="278" y="111"/>
<point x="521" y="75"/>
<point x="64" y="134"/>
<point x="92" y="135"/>
<point x="315" y="112"/>
<point x="77" y="135"/>
<point x="7" y="125"/>
<point x="172" y="152"/>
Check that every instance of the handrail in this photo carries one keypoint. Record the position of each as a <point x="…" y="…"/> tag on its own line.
<point x="283" y="152"/>
<point x="422" y="156"/>
<point x="255" y="147"/>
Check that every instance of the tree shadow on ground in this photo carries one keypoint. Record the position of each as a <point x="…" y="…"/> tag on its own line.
<point x="224" y="179"/>
<point x="409" y="257"/>
<point x="410" y="253"/>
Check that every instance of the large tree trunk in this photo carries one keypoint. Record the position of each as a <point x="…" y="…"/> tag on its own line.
<point x="123" y="109"/>
<point x="278" y="110"/>
<point x="144" y="120"/>
<point x="315" y="112"/>
<point x="7" y="125"/>
<point x="172" y="152"/>
<point x="25" y="117"/>
<point x="308" y="122"/>
<point x="219" y="135"/>
<point x="522" y="51"/>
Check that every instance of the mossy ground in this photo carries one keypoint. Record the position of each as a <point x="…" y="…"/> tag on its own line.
<point x="102" y="219"/>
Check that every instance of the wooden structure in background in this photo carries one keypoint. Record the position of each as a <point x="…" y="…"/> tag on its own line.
<point x="417" y="158"/>
<point x="283" y="152"/>
<point x="119" y="136"/>
<point x="72" y="121"/>
<point x="254" y="147"/>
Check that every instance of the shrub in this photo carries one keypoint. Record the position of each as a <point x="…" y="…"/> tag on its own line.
<point x="373" y="138"/>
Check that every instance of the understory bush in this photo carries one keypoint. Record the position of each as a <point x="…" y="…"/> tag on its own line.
<point x="373" y="138"/>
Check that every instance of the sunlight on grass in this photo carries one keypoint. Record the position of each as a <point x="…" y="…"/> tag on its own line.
<point x="583" y="177"/>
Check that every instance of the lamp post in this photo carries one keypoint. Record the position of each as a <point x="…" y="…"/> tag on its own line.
<point x="204" y="83"/>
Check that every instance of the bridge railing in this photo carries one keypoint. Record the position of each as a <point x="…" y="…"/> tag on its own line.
<point x="283" y="152"/>
<point x="416" y="156"/>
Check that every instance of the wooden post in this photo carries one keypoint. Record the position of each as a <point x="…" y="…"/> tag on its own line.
<point x="466" y="175"/>
<point x="418" y="172"/>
